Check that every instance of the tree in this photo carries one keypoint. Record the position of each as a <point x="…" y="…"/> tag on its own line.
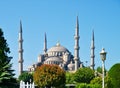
<point x="49" y="75"/>
<point x="98" y="81"/>
<point x="99" y="69"/>
<point x="114" y="74"/>
<point x="69" y="78"/>
<point x="108" y="82"/>
<point x="6" y="73"/>
<point x="84" y="75"/>
<point x="26" y="77"/>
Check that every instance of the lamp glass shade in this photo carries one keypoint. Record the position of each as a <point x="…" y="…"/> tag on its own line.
<point x="103" y="54"/>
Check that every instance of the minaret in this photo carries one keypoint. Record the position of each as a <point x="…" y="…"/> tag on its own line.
<point x="92" y="55"/>
<point x="45" y="44"/>
<point x="76" y="47"/>
<point x="20" y="57"/>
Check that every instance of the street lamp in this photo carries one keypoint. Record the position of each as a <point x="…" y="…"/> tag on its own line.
<point x="103" y="58"/>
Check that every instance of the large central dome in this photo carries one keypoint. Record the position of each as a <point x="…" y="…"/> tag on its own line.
<point x="58" y="48"/>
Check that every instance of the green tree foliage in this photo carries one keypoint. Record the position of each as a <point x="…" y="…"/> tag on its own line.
<point x="99" y="69"/>
<point x="49" y="75"/>
<point x="108" y="82"/>
<point x="84" y="75"/>
<point x="84" y="85"/>
<point x="96" y="80"/>
<point x="114" y="74"/>
<point x="69" y="78"/>
<point x="6" y="73"/>
<point x="81" y="85"/>
<point x="26" y="77"/>
<point x="94" y="86"/>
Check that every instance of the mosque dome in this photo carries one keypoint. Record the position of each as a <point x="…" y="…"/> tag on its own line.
<point x="71" y="66"/>
<point x="53" y="60"/>
<point x="58" y="48"/>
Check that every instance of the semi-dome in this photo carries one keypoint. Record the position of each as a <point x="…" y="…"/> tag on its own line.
<point x="53" y="60"/>
<point x="58" y="48"/>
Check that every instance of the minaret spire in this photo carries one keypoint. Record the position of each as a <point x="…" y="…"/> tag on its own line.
<point x="92" y="52"/>
<point x="20" y="57"/>
<point x="45" y="44"/>
<point x="20" y="26"/>
<point x="76" y="47"/>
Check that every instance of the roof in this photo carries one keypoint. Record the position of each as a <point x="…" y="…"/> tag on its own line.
<point x="57" y="59"/>
<point x="58" y="48"/>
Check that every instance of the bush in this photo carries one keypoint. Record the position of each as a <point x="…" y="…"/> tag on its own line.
<point x="81" y="85"/>
<point x="84" y="75"/>
<point x="26" y="77"/>
<point x="84" y="85"/>
<point x="114" y="74"/>
<point x="97" y="80"/>
<point x="69" y="78"/>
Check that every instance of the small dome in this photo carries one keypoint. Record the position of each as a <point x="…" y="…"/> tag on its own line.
<point x="54" y="59"/>
<point x="71" y="65"/>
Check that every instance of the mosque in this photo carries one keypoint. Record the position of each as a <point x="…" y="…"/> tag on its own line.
<point x="58" y="54"/>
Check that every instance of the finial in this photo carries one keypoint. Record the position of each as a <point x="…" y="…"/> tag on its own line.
<point x="45" y="37"/>
<point x="103" y="50"/>
<point x="20" y="26"/>
<point x="45" y="33"/>
<point x="77" y="23"/>
<point x="93" y="34"/>
<point x="58" y="43"/>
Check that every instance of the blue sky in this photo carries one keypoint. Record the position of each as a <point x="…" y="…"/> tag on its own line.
<point x="58" y="19"/>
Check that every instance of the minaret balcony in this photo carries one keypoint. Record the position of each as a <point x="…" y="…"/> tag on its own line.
<point x="92" y="47"/>
<point x="93" y="56"/>
<point x="20" y="40"/>
<point x="76" y="37"/>
<point x="76" y="47"/>
<point x="21" y="50"/>
<point x="76" y="59"/>
<point x="21" y="61"/>
<point x="92" y="65"/>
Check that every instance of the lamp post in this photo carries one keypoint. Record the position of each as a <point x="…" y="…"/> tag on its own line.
<point x="103" y="58"/>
